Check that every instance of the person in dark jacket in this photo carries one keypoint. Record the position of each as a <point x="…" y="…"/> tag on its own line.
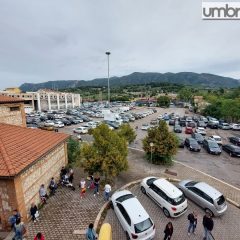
<point x="33" y="212"/>
<point x="192" y="218"/>
<point x="12" y="220"/>
<point x="168" y="231"/>
<point x="208" y="225"/>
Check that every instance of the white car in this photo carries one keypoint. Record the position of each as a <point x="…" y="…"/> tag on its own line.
<point x="145" y="127"/>
<point x="49" y="123"/>
<point x="160" y="117"/>
<point x="82" y="130"/>
<point x="201" y="130"/>
<point x="134" y="219"/>
<point x="166" y="195"/>
<point x="216" y="138"/>
<point x="235" y="126"/>
<point x="58" y="124"/>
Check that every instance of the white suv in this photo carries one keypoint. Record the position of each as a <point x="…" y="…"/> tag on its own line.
<point x="133" y="217"/>
<point x="166" y="195"/>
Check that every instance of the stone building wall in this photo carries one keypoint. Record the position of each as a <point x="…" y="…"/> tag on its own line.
<point x="13" y="114"/>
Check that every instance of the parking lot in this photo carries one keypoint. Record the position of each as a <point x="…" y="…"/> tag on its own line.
<point x="226" y="226"/>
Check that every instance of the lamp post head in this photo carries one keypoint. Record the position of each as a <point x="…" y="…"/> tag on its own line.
<point x="151" y="144"/>
<point x="108" y="53"/>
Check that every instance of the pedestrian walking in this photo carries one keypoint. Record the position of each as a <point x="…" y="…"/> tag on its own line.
<point x="83" y="187"/>
<point x="168" y="231"/>
<point x="71" y="173"/>
<point x="90" y="233"/>
<point x="208" y="225"/>
<point x="43" y="194"/>
<point x="39" y="236"/>
<point x="34" y="212"/>
<point x="90" y="182"/>
<point x="20" y="230"/>
<point x="12" y="220"/>
<point x="107" y="190"/>
<point x="192" y="218"/>
<point x="96" y="185"/>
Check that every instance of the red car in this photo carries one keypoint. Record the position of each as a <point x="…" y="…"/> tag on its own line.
<point x="188" y="130"/>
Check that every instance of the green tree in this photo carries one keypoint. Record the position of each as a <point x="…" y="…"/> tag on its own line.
<point x="165" y="144"/>
<point x="107" y="154"/>
<point x="127" y="132"/>
<point x="185" y="94"/>
<point x="73" y="147"/>
<point x="163" y="101"/>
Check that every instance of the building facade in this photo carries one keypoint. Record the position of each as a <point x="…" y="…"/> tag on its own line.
<point x="45" y="100"/>
<point x="12" y="111"/>
<point x="24" y="167"/>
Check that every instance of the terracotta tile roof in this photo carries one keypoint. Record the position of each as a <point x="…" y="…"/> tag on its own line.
<point x="20" y="147"/>
<point x="7" y="99"/>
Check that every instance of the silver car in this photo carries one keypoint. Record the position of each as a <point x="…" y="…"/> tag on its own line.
<point x="207" y="197"/>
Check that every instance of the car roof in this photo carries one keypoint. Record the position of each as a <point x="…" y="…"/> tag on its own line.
<point x="215" y="136"/>
<point x="168" y="188"/>
<point x="210" y="191"/>
<point x="135" y="210"/>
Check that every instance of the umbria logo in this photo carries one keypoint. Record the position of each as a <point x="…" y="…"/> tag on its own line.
<point x="221" y="10"/>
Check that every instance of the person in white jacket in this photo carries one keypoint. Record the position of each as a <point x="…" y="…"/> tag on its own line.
<point x="107" y="190"/>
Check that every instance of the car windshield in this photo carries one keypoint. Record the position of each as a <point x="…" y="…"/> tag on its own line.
<point x="143" y="226"/>
<point x="217" y="138"/>
<point x="178" y="200"/>
<point x="220" y="200"/>
<point x="150" y="181"/>
<point x="213" y="144"/>
<point x="124" y="197"/>
<point x="191" y="183"/>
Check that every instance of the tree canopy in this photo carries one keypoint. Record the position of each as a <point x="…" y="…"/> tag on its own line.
<point x="163" y="101"/>
<point x="127" y="132"/>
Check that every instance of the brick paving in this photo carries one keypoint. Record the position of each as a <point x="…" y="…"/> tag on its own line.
<point x="224" y="225"/>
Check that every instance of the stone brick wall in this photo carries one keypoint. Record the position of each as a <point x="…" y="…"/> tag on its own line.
<point x="7" y="201"/>
<point x="40" y="173"/>
<point x="12" y="117"/>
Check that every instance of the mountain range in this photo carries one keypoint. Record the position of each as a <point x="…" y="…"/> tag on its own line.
<point x="137" y="78"/>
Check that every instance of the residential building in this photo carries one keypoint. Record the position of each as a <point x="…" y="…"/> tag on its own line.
<point x="46" y="100"/>
<point x="28" y="158"/>
<point x="12" y="111"/>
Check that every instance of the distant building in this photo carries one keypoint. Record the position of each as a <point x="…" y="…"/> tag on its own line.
<point x="12" y="111"/>
<point x="44" y="100"/>
<point x="28" y="158"/>
<point x="13" y="90"/>
<point x="200" y="103"/>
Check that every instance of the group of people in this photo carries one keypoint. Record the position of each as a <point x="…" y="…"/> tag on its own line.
<point x="93" y="183"/>
<point x="192" y="218"/>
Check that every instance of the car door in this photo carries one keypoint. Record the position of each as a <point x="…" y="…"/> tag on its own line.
<point x="195" y="195"/>
<point x="154" y="194"/>
<point x="119" y="209"/>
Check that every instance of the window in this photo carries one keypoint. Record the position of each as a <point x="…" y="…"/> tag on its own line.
<point x="14" y="109"/>
<point x="150" y="181"/>
<point x="162" y="194"/>
<point x="124" y="213"/>
<point x="124" y="197"/>
<point x="143" y="226"/>
<point x="207" y="198"/>
<point x="221" y="200"/>
<point x="154" y="188"/>
<point x="196" y="191"/>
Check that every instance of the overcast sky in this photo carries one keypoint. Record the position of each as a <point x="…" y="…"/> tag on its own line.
<point x="67" y="39"/>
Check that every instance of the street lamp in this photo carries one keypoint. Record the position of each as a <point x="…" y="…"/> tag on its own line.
<point x="151" y="148"/>
<point x="108" y="53"/>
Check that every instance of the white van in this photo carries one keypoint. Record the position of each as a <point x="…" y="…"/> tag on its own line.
<point x="166" y="195"/>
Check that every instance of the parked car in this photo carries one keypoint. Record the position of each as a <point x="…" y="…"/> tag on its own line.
<point x="177" y="129"/>
<point x="58" y="124"/>
<point x="216" y="138"/>
<point x="191" y="124"/>
<point x="192" y="145"/>
<point x="207" y="197"/>
<point x="66" y="122"/>
<point x="235" y="140"/>
<point x="198" y="137"/>
<point x="134" y="219"/>
<point x="188" y="130"/>
<point x="182" y="122"/>
<point x="49" y="123"/>
<point x="181" y="142"/>
<point x="212" y="124"/>
<point x="235" y="127"/>
<point x="166" y="195"/>
<point x="201" y="130"/>
<point x="234" y="151"/>
<point x="171" y="122"/>
<point x="211" y="147"/>
<point x="145" y="127"/>
<point x="201" y="124"/>
<point x="82" y="130"/>
<point x="224" y="126"/>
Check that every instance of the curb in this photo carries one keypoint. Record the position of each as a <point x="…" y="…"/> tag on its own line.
<point x="233" y="203"/>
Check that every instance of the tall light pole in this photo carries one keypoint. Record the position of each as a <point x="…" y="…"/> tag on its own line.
<point x="108" y="53"/>
<point x="151" y="148"/>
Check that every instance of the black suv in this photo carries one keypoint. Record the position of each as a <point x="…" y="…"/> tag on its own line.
<point x="198" y="137"/>
<point x="192" y="144"/>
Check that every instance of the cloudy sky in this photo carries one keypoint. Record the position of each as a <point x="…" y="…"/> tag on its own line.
<point x="67" y="39"/>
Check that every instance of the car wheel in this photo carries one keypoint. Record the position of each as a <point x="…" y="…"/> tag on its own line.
<point x="166" y="212"/>
<point x="143" y="190"/>
<point x="111" y="204"/>
<point x="209" y="211"/>
<point x="127" y="235"/>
